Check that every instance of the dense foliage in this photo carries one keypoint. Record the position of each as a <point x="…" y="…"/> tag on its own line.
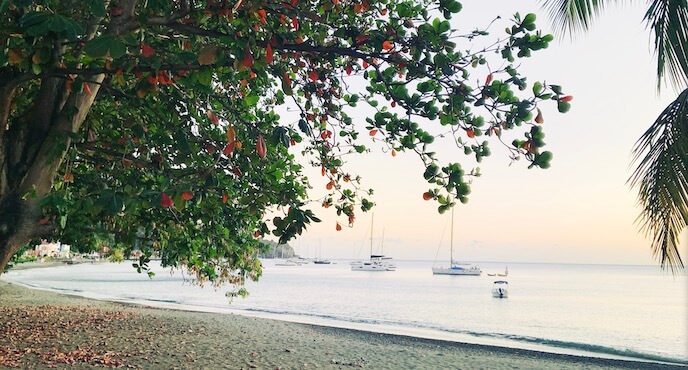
<point x="167" y="125"/>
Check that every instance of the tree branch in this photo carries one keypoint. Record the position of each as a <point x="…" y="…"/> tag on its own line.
<point x="184" y="10"/>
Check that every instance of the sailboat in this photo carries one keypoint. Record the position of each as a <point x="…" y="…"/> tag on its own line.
<point x="456" y="268"/>
<point x="377" y="262"/>
<point x="319" y="260"/>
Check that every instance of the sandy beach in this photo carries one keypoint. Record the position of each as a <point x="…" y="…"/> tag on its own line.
<point x="42" y="329"/>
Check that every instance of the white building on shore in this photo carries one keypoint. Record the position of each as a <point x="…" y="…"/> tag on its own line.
<point x="52" y="249"/>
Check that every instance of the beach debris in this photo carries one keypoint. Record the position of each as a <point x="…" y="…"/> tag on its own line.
<point x="38" y="332"/>
<point x="357" y="362"/>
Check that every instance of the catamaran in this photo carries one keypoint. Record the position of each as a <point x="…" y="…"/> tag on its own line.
<point x="377" y="262"/>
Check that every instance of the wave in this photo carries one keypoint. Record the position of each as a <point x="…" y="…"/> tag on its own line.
<point x="584" y="347"/>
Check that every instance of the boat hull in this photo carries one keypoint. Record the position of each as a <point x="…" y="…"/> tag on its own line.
<point x="373" y="266"/>
<point x="473" y="271"/>
<point x="500" y="289"/>
<point x="500" y="293"/>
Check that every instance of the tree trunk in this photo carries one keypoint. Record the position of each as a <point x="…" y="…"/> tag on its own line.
<point x="28" y="169"/>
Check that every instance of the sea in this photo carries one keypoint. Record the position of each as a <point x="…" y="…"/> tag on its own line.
<point x="611" y="311"/>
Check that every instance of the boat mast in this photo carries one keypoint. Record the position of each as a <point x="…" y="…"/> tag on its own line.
<point x="451" y="240"/>
<point x="372" y="219"/>
<point x="382" y="248"/>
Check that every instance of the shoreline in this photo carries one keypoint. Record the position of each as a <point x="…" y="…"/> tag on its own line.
<point x="77" y="332"/>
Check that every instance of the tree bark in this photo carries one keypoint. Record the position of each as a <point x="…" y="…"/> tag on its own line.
<point x="32" y="172"/>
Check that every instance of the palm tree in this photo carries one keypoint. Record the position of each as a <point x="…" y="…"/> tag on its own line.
<point x="662" y="151"/>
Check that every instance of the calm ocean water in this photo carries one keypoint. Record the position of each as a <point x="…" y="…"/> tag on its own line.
<point x="612" y="311"/>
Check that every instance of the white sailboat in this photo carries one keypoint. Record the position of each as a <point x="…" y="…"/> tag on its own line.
<point x="377" y="262"/>
<point x="319" y="260"/>
<point x="456" y="268"/>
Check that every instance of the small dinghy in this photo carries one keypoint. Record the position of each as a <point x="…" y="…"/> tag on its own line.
<point x="500" y="289"/>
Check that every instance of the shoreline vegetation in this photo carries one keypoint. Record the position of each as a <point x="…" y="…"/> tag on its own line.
<point x="43" y="329"/>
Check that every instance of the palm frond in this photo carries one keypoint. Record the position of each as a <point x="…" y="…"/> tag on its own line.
<point x="572" y="16"/>
<point x="668" y="19"/>
<point x="662" y="179"/>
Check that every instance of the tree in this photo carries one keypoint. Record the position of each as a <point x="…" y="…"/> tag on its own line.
<point x="662" y="151"/>
<point x="161" y="124"/>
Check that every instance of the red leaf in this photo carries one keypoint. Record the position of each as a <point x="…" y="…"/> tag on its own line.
<point x="260" y="146"/>
<point x="152" y="79"/>
<point x="361" y="39"/>
<point x="187" y="195"/>
<point x="116" y="11"/>
<point x="213" y="117"/>
<point x="146" y="50"/>
<point x="338" y="227"/>
<point x="349" y="69"/>
<point x="224" y="198"/>
<point x="164" y="78"/>
<point x="313" y="75"/>
<point x="166" y="201"/>
<point x="566" y="98"/>
<point x="229" y="148"/>
<point x="387" y="45"/>
<point x="470" y="133"/>
<point x="268" y="54"/>
<point x="261" y="15"/>
<point x="248" y="58"/>
<point x="287" y="80"/>
<point x="488" y="79"/>
<point x="373" y="132"/>
<point x="295" y="22"/>
<point x="539" y="118"/>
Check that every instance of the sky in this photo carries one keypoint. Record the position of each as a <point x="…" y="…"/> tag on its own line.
<point x="580" y="210"/>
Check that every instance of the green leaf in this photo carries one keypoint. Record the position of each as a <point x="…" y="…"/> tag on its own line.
<point x="102" y="46"/>
<point x="251" y="99"/>
<point x="97" y="7"/>
<point x="39" y="24"/>
<point x="563" y="106"/>
<point x="304" y="127"/>
<point x="116" y="204"/>
<point x="537" y="88"/>
<point x="529" y="19"/>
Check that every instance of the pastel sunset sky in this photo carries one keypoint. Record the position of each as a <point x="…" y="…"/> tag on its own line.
<point x="578" y="211"/>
